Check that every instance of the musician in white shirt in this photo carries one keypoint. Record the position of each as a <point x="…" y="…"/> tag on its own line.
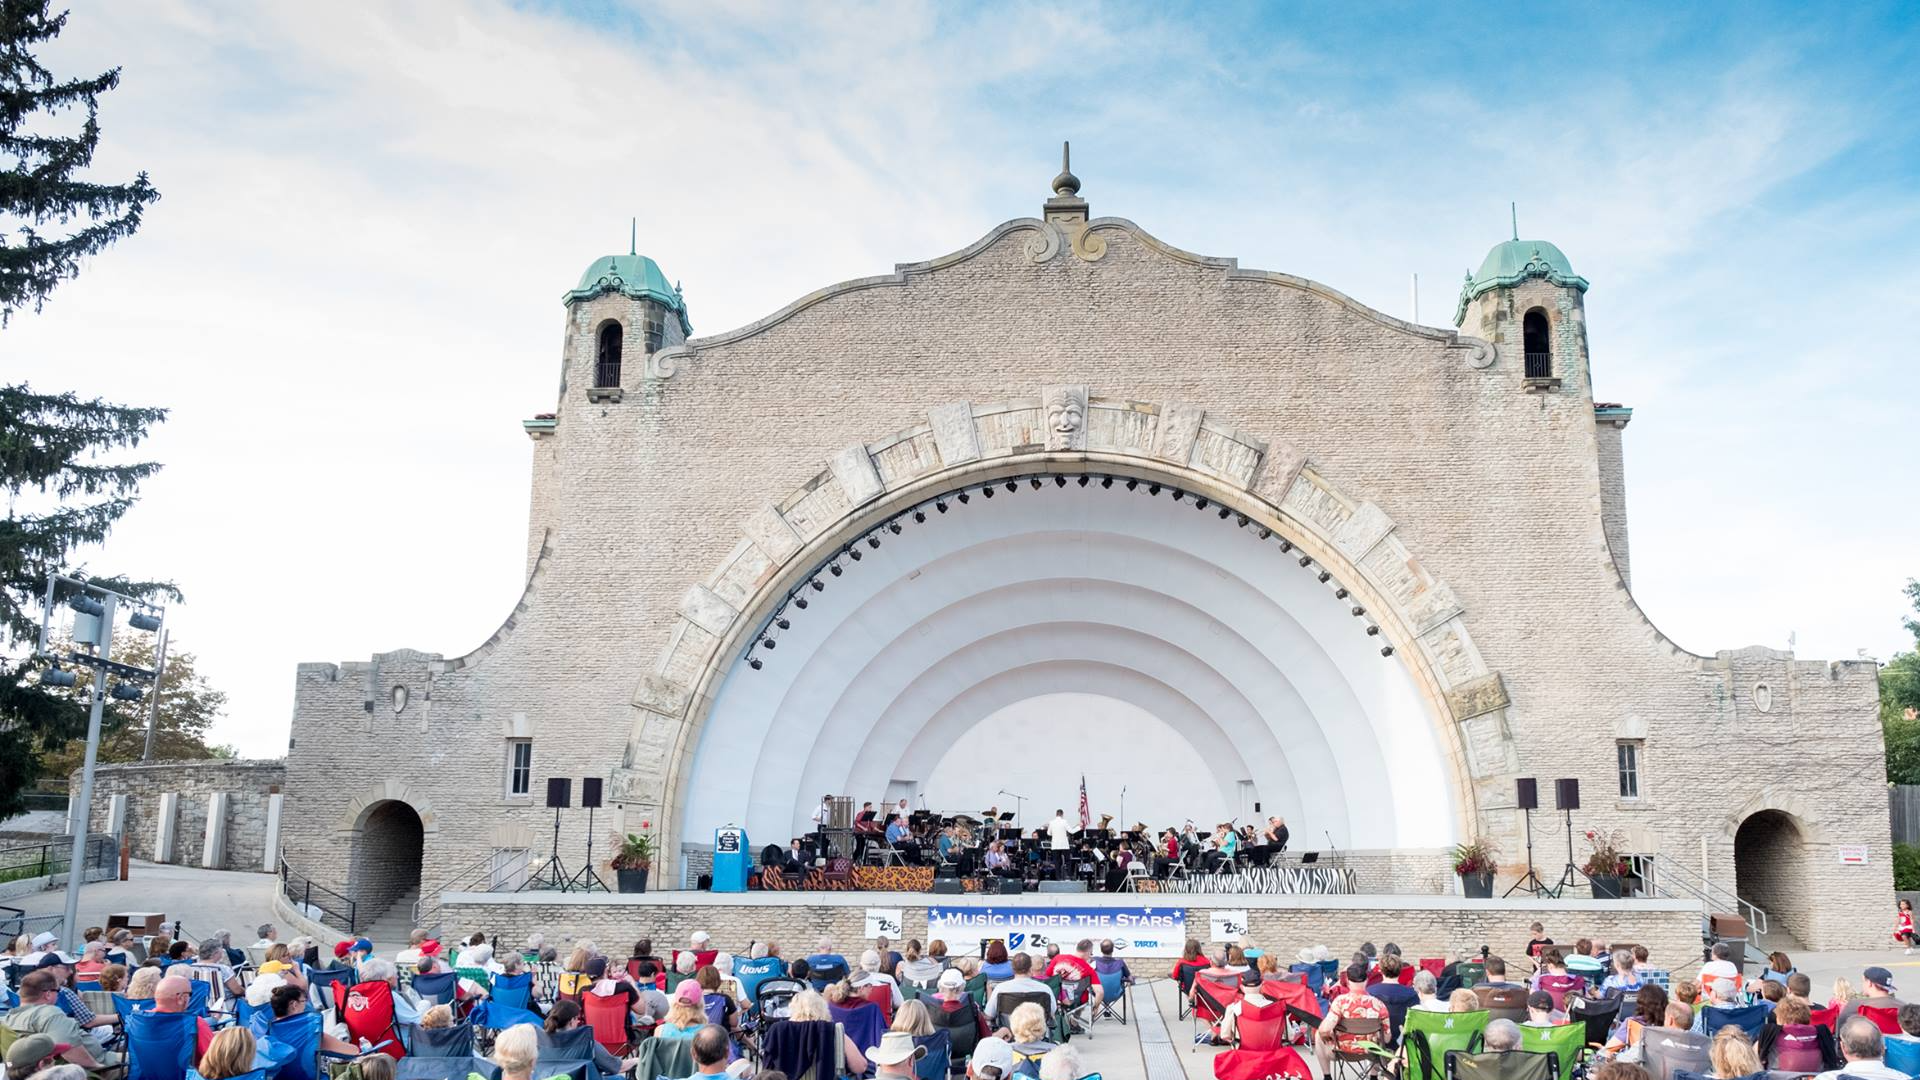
<point x="1057" y="833"/>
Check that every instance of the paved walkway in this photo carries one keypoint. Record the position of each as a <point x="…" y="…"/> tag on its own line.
<point x="202" y="900"/>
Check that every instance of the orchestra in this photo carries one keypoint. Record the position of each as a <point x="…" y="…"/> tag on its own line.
<point x="990" y="844"/>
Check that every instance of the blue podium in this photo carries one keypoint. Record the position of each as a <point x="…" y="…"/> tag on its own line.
<point x="731" y="861"/>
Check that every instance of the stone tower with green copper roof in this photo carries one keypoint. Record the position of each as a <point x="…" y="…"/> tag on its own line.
<point x="622" y="312"/>
<point x="1526" y="299"/>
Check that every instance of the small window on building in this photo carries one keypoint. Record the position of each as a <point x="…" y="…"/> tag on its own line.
<point x="656" y="334"/>
<point x="1628" y="752"/>
<point x="519" y="766"/>
<point x="606" y="364"/>
<point x="1533" y="329"/>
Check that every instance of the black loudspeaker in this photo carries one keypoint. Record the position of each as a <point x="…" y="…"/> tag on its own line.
<point x="1010" y="886"/>
<point x="590" y="793"/>
<point x="559" y="792"/>
<point x="948" y="886"/>
<point x="1566" y="794"/>
<point x="1527" y="791"/>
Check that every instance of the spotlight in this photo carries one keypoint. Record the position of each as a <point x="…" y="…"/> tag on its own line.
<point x="1265" y="532"/>
<point x="1306" y="560"/>
<point x="1373" y="631"/>
<point x="1358" y="611"/>
<point x="854" y="553"/>
<point x="1340" y="593"/>
<point x="834" y="569"/>
<point x="1226" y="513"/>
<point x="1324" y="576"/>
<point x="767" y="643"/>
<point x="987" y="491"/>
<point x="1014" y="485"/>
<point x="1106" y="481"/>
<point x="1061" y="481"/>
<point x="1035" y="481"/>
<point x="125" y="692"/>
<point x="1084" y="478"/>
<point x="1133" y="485"/>
<point x="1243" y="521"/>
<point x="1386" y="650"/>
<point x="144" y="620"/>
<point x="963" y="498"/>
<point x="819" y="585"/>
<point x="920" y="516"/>
<point x="894" y="526"/>
<point x="1154" y="489"/>
<point x="873" y="542"/>
<point x="782" y="622"/>
<point x="940" y="505"/>
<point x="753" y="662"/>
<point x="1178" y="494"/>
<point x="57" y="677"/>
<point x="87" y="605"/>
<point x="800" y="602"/>
<point x="1199" y="504"/>
<point x="1286" y="546"/>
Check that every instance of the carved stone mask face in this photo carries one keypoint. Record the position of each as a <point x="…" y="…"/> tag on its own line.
<point x="1063" y="415"/>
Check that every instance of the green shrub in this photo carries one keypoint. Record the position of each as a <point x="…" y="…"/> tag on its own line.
<point x="1906" y="867"/>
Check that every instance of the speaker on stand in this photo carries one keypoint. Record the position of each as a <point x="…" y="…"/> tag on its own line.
<point x="1526" y="791"/>
<point x="587" y="880"/>
<point x="1566" y="798"/>
<point x="552" y="874"/>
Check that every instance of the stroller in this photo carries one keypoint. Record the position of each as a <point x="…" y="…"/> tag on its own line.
<point x="772" y="1002"/>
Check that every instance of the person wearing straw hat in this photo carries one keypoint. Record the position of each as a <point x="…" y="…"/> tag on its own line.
<point x="895" y="1055"/>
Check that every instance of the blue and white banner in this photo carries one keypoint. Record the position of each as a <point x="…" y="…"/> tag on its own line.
<point x="1136" y="931"/>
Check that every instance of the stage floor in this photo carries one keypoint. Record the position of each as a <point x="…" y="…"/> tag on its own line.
<point x="1249" y="901"/>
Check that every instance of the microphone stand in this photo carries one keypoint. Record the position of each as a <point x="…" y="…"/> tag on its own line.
<point x="1123" y="809"/>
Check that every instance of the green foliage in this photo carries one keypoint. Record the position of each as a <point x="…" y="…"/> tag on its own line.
<point x="635" y="852"/>
<point x="1900" y="703"/>
<point x="41" y="166"/>
<point x="1476" y="856"/>
<point x="1906" y="867"/>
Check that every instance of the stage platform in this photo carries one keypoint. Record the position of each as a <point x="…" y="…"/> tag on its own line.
<point x="1423" y="925"/>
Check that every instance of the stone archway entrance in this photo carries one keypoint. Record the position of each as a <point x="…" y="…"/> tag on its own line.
<point x="1770" y="865"/>
<point x="383" y="872"/>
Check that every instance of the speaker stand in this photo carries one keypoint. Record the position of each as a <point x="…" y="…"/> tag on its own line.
<point x="586" y="880"/>
<point x="1571" y="875"/>
<point x="552" y="874"/>
<point x="1531" y="883"/>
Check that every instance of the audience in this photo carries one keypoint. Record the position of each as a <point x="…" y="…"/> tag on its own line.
<point x="1864" y="1050"/>
<point x="230" y="1054"/>
<point x="515" y="1050"/>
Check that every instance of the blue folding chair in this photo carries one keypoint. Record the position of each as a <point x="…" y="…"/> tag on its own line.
<point x="1316" y="979"/>
<point x="1748" y="1018"/>
<point x="493" y="1016"/>
<point x="160" y="1045"/>
<point x="435" y="1068"/>
<point x="320" y="982"/>
<point x="1113" y="997"/>
<point x="933" y="1065"/>
<point x="514" y="991"/>
<point x="1903" y="1055"/>
<point x="438" y="988"/>
<point x="297" y="1048"/>
<point x="257" y="1074"/>
<point x="83" y="986"/>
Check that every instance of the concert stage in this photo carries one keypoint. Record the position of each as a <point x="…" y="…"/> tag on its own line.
<point x="1422" y="925"/>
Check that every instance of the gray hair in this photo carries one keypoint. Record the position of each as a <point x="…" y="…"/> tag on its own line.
<point x="224" y="937"/>
<point x="1061" y="1063"/>
<point x="265" y="929"/>
<point x="1724" y="990"/>
<point x="377" y="970"/>
<point x="510" y="964"/>
<point x="63" y="1071"/>
<point x="684" y="963"/>
<point x="1860" y="1040"/>
<point x="535" y="940"/>
<point x="1622" y="961"/>
<point x="1425" y="984"/>
<point x="760" y="950"/>
<point x="211" y="949"/>
<point x="1503" y="1035"/>
<point x="870" y="961"/>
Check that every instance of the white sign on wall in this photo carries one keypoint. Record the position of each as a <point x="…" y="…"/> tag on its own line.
<point x="883" y="922"/>
<point x="1137" y="931"/>
<point x="1852" y="854"/>
<point x="1226" y="926"/>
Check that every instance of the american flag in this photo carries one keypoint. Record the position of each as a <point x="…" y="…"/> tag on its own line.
<point x="1086" y="815"/>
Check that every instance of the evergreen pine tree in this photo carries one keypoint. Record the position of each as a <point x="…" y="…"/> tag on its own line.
<point x="60" y="494"/>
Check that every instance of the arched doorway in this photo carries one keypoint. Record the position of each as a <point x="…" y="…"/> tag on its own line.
<point x="1770" y="869"/>
<point x="389" y="842"/>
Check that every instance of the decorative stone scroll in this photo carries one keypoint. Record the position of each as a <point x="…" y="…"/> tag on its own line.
<point x="1063" y="426"/>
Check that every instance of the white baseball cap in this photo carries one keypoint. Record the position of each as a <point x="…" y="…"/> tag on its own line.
<point x="44" y="938"/>
<point x="701" y="937"/>
<point x="996" y="1054"/>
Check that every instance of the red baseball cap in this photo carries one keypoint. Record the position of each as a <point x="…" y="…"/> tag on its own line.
<point x="340" y="949"/>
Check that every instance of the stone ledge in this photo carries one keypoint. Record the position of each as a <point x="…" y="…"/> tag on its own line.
<point x="1362" y="902"/>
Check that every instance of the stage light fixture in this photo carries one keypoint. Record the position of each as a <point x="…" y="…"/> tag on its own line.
<point x="920" y="516"/>
<point x="1178" y="494"/>
<point x="1014" y="485"/>
<point x="1199" y="504"/>
<point x="1226" y="513"/>
<point x="87" y="605"/>
<point x="753" y="662"/>
<point x="767" y="643"/>
<point x="940" y="505"/>
<point x="1035" y="481"/>
<point x="1106" y="481"/>
<point x="1340" y="593"/>
<point x="1358" y="611"/>
<point x="125" y="692"/>
<point x="1133" y="485"/>
<point x="818" y="585"/>
<point x="782" y="622"/>
<point x="873" y="542"/>
<point x="144" y="620"/>
<point x="57" y="677"/>
<point x="1265" y="532"/>
<point x="1286" y="546"/>
<point x="834" y="569"/>
<point x="963" y="498"/>
<point x="1154" y="489"/>
<point x="987" y="491"/>
<point x="800" y="602"/>
<point x="1306" y="560"/>
<point x="1386" y="650"/>
<point x="894" y="526"/>
<point x="1242" y="521"/>
<point x="1325" y="577"/>
<point x="854" y="553"/>
<point x="1084" y="478"/>
<point x="1373" y="631"/>
<point x="1061" y="481"/>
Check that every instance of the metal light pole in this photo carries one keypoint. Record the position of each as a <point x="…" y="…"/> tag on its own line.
<point x="75" y="865"/>
<point x="153" y="706"/>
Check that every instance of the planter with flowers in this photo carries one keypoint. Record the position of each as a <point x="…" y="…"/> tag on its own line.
<point x="1606" y="866"/>
<point x="632" y="861"/>
<point x="1474" y="862"/>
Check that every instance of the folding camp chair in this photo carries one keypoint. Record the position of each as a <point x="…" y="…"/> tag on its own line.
<point x="1183" y="973"/>
<point x="933" y="1065"/>
<point x="561" y="1048"/>
<point x="434" y="1068"/>
<point x="1260" y="1049"/>
<point x="1828" y="1018"/>
<point x="606" y="1014"/>
<point x="1365" y="1034"/>
<point x="298" y="1046"/>
<point x="1568" y="1042"/>
<point x="493" y="1016"/>
<point x="1431" y="1035"/>
<point x="1113" y="998"/>
<point x="1507" y="1005"/>
<point x="513" y="991"/>
<point x="1211" y="999"/>
<point x="1669" y="1051"/>
<point x="1884" y="1018"/>
<point x="665" y="1057"/>
<point x="1316" y="979"/>
<point x="1559" y="986"/>
<point x="1903" y="1055"/>
<point x="1512" y="1065"/>
<point x="160" y="1045"/>
<point x="446" y="1042"/>
<point x="1075" y="1000"/>
<point x="1598" y="1015"/>
<point x="368" y="1014"/>
<point x="439" y="988"/>
<point x="1748" y="1018"/>
<point x="881" y="996"/>
<point x="320" y="984"/>
<point x="1805" y="1048"/>
<point x="961" y="1025"/>
<point x="862" y="1023"/>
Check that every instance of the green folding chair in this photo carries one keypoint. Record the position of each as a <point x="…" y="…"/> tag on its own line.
<point x="1564" y="1041"/>
<point x="1426" y="1037"/>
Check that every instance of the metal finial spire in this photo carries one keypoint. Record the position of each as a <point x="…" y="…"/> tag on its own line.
<point x="1066" y="184"/>
<point x="633" y="236"/>
<point x="1514" y="207"/>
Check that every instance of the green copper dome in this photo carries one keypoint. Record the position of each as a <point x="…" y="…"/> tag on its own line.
<point x="1513" y="261"/>
<point x="634" y="276"/>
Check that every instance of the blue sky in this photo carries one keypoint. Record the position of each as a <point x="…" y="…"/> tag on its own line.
<point x="349" y="293"/>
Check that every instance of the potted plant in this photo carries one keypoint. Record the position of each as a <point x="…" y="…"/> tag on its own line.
<point x="1606" y="866"/>
<point x="1474" y="862"/>
<point x="631" y="862"/>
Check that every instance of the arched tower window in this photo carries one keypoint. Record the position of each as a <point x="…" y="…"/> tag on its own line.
<point x="1533" y="331"/>
<point x="606" y="361"/>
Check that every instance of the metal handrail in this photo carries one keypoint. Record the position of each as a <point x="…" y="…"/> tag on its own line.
<point x="1692" y="886"/>
<point x="428" y="902"/>
<point x="301" y="892"/>
<point x="51" y="857"/>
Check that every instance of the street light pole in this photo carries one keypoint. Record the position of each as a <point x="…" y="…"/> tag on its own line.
<point x="76" y="872"/>
<point x="153" y="706"/>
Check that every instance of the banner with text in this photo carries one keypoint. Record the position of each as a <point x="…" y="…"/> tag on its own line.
<point x="1136" y="931"/>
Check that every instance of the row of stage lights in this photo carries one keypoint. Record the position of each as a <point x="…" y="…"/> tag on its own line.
<point x="768" y="636"/>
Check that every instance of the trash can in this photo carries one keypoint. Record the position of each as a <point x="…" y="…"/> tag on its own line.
<point x="1731" y="929"/>
<point x="731" y="862"/>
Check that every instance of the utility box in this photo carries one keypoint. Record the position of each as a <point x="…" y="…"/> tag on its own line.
<point x="731" y="863"/>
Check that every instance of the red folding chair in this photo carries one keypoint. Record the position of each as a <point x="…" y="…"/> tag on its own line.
<point x="1260" y="1048"/>
<point x="607" y="1015"/>
<point x="1433" y="964"/>
<point x="1826" y="1018"/>
<point x="1298" y="1003"/>
<point x="882" y="995"/>
<point x="1887" y="1020"/>
<point x="367" y="1010"/>
<point x="1405" y="978"/>
<point x="1210" y="1001"/>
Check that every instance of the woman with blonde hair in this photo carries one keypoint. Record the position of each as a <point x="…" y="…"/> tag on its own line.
<point x="913" y="1019"/>
<point x="229" y="1055"/>
<point x="1029" y="1029"/>
<point x="1463" y="1000"/>
<point x="140" y="987"/>
<point x="514" y="1051"/>
<point x="440" y="1016"/>
<point x="809" y="1006"/>
<point x="376" y="1067"/>
<point x="686" y="1015"/>
<point x="1733" y="1055"/>
<point x="1842" y="993"/>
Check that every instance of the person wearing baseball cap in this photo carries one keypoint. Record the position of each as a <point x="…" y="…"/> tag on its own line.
<point x="992" y="1060"/>
<point x="31" y="1053"/>
<point x="39" y="1013"/>
<point x="1879" y="995"/>
<point x="60" y="966"/>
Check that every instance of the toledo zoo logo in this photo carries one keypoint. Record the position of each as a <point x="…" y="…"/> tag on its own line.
<point x="1016" y="940"/>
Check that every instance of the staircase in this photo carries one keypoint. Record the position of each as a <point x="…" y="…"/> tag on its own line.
<point x="390" y="929"/>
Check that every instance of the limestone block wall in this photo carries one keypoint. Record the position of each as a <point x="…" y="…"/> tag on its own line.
<point x="252" y="788"/>
<point x="1612" y="423"/>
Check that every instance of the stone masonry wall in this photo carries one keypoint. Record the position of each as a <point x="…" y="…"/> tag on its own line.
<point x="1613" y="494"/>
<point x="1495" y="489"/>
<point x="1671" y="933"/>
<point x="249" y="786"/>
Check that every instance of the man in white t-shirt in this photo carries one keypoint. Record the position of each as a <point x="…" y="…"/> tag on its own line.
<point x="1057" y="832"/>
